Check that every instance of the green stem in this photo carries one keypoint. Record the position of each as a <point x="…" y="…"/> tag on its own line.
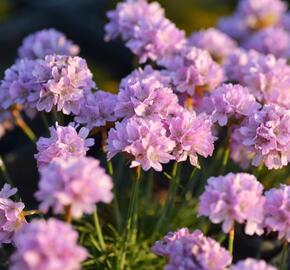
<point x="225" y="160"/>
<point x="284" y="255"/>
<point x="258" y="171"/>
<point x="44" y="120"/>
<point x="231" y="240"/>
<point x="99" y="230"/>
<point x="131" y="230"/>
<point x="190" y="183"/>
<point x="115" y="200"/>
<point x="5" y="172"/>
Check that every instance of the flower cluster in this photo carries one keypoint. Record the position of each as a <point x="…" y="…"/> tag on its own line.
<point x="11" y="217"/>
<point x="77" y="183"/>
<point x="234" y="198"/>
<point x="46" y="42"/>
<point x="186" y="250"/>
<point x="217" y="43"/>
<point x="144" y="28"/>
<point x="47" y="245"/>
<point x="63" y="142"/>
<point x="277" y="211"/>
<point x="251" y="264"/>
<point x="266" y="133"/>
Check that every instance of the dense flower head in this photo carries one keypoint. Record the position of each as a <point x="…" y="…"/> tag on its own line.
<point x="266" y="133"/>
<point x="144" y="140"/>
<point x="11" y="218"/>
<point x="277" y="211"/>
<point x="191" y="251"/>
<point x="143" y="26"/>
<point x="193" y="70"/>
<point x="192" y="134"/>
<point x="20" y="85"/>
<point x="230" y="101"/>
<point x="97" y="110"/>
<point x="234" y="198"/>
<point x="47" y="245"/>
<point x="64" y="141"/>
<point x="263" y="40"/>
<point x="65" y="81"/>
<point x="145" y="93"/>
<point x="75" y="182"/>
<point x="252" y="264"/>
<point x="217" y="43"/>
<point x="45" y="42"/>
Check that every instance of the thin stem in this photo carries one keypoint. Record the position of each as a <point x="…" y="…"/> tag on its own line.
<point x="44" y="120"/>
<point x="32" y="212"/>
<point x="99" y="230"/>
<point x="190" y="182"/>
<point x="68" y="214"/>
<point x="284" y="255"/>
<point x="225" y="160"/>
<point x="131" y="230"/>
<point x="5" y="172"/>
<point x="24" y="127"/>
<point x="231" y="240"/>
<point x="258" y="171"/>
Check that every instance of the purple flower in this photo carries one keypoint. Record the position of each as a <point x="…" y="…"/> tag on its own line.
<point x="191" y="251"/>
<point x="217" y="43"/>
<point x="20" y="85"/>
<point x="234" y="198"/>
<point x="65" y="81"/>
<point x="230" y="101"/>
<point x="11" y="218"/>
<point x="252" y="264"/>
<point x="45" y="42"/>
<point x="145" y="93"/>
<point x="75" y="182"/>
<point x="47" y="245"/>
<point x="193" y="70"/>
<point x="192" y="134"/>
<point x="277" y="211"/>
<point x="267" y="134"/>
<point x="143" y="26"/>
<point x="263" y="40"/>
<point x="144" y="140"/>
<point x="97" y="110"/>
<point x="63" y="142"/>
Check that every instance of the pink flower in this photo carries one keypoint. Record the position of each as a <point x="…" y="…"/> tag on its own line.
<point x="63" y="142"/>
<point x="234" y="198"/>
<point x="252" y="264"/>
<point x="47" y="245"/>
<point x="11" y="218"/>
<point x="75" y="182"/>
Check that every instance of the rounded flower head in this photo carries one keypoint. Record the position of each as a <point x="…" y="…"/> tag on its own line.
<point x="11" y="218"/>
<point x="230" y="101"/>
<point x="252" y="264"/>
<point x="47" y="245"/>
<point x="262" y="13"/>
<point x="97" y="110"/>
<point x="191" y="251"/>
<point x="20" y="85"/>
<point x="65" y="81"/>
<point x="277" y="211"/>
<point x="45" y="42"/>
<point x="263" y="41"/>
<point x="267" y="134"/>
<point x="145" y="93"/>
<point x="143" y="26"/>
<point x="192" y="134"/>
<point x="75" y="182"/>
<point x="193" y="70"/>
<point x="217" y="43"/>
<point x="63" y="142"/>
<point x="144" y="140"/>
<point x="234" y="198"/>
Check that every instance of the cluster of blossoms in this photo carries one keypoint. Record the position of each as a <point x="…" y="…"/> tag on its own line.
<point x="192" y="250"/>
<point x="251" y="264"/>
<point x="63" y="142"/>
<point x="155" y="128"/>
<point x="144" y="28"/>
<point x="46" y="42"/>
<point x="75" y="182"/>
<point x="11" y="217"/>
<point x="47" y="245"/>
